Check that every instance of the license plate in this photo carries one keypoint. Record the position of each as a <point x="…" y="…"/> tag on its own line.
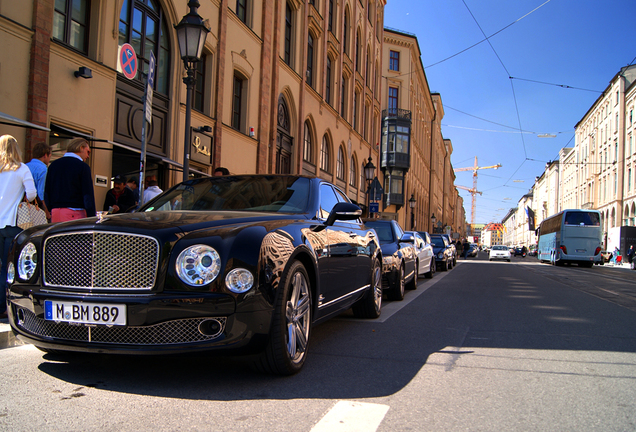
<point x="580" y="250"/>
<point x="85" y="313"/>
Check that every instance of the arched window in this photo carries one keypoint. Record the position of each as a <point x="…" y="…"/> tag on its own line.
<point x="353" y="174"/>
<point x="340" y="166"/>
<point x="324" y="154"/>
<point x="143" y="25"/>
<point x="345" y="32"/>
<point x="288" y="34"/>
<point x="310" y="60"/>
<point x="307" y="151"/>
<point x="358" y="50"/>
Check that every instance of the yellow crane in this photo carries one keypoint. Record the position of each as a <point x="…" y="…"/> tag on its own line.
<point x="474" y="190"/>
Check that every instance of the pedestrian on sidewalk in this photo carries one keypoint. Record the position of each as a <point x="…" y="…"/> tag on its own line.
<point x="630" y="256"/>
<point x="68" y="190"/>
<point x="615" y="255"/>
<point x="15" y="180"/>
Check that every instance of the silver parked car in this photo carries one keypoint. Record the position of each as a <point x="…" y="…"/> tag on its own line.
<point x="425" y="262"/>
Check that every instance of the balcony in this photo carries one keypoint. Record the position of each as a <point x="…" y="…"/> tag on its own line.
<point x="397" y="113"/>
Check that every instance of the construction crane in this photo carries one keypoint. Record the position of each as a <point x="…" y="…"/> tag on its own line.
<point x="474" y="190"/>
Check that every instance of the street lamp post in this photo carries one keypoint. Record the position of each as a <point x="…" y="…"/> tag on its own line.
<point x="433" y="220"/>
<point x="191" y="33"/>
<point x="412" y="205"/>
<point x="369" y="174"/>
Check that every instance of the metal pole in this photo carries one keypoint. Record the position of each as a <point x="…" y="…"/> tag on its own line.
<point x="189" y="82"/>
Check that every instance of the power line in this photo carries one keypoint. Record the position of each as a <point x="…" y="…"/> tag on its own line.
<point x="556" y="85"/>
<point x="488" y="37"/>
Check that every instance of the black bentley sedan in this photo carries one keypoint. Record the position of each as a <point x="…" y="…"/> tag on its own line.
<point x="239" y="264"/>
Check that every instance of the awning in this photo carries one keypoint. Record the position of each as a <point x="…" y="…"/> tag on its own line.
<point x="14" y="121"/>
<point x="163" y="159"/>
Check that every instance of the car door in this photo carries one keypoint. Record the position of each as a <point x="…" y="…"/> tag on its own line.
<point x="340" y="266"/>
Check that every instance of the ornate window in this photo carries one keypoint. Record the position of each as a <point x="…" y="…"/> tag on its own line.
<point x="340" y="167"/>
<point x="310" y="59"/>
<point x="394" y="60"/>
<point x="353" y="174"/>
<point x="142" y="24"/>
<point x="288" y="34"/>
<point x="324" y="154"/>
<point x="70" y="23"/>
<point x="308" y="150"/>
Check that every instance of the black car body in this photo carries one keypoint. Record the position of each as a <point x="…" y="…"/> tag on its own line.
<point x="398" y="254"/>
<point x="453" y="249"/>
<point x="443" y="252"/>
<point x="238" y="264"/>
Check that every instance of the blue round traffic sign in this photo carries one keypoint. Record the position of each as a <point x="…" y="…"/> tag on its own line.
<point x="128" y="61"/>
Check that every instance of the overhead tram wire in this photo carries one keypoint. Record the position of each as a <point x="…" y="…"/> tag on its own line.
<point x="514" y="96"/>
<point x="556" y="85"/>
<point x="488" y="37"/>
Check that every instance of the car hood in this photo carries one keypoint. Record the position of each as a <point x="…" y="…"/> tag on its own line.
<point x="437" y="249"/>
<point x="164" y="222"/>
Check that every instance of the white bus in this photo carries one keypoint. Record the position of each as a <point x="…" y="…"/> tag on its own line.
<point x="571" y="236"/>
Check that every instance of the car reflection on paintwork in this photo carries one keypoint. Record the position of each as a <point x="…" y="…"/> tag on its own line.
<point x="398" y="255"/>
<point x="232" y="264"/>
<point x="442" y="251"/>
<point x="424" y="252"/>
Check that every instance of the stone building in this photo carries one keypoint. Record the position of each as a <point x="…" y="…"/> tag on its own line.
<point x="282" y="85"/>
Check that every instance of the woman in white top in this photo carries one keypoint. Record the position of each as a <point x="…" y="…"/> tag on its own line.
<point x="15" y="180"/>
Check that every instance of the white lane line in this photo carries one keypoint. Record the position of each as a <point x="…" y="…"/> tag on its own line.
<point x="350" y="416"/>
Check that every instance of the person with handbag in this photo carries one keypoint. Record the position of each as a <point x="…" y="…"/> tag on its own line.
<point x="15" y="181"/>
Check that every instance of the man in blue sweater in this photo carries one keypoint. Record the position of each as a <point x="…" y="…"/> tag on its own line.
<point x="68" y="191"/>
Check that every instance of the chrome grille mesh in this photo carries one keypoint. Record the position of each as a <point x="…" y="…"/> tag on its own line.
<point x="100" y="260"/>
<point x="166" y="333"/>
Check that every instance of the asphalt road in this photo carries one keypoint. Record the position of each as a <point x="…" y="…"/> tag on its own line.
<point x="483" y="347"/>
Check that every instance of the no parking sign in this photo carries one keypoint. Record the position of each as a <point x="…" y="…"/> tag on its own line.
<point x="128" y="61"/>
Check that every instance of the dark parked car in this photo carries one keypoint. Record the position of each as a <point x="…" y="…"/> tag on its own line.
<point x="443" y="252"/>
<point x="398" y="254"/>
<point x="453" y="249"/>
<point x="238" y="264"/>
<point x="519" y="251"/>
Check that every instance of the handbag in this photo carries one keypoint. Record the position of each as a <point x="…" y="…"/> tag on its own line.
<point x="30" y="215"/>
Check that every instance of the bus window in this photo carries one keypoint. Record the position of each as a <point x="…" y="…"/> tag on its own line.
<point x="582" y="218"/>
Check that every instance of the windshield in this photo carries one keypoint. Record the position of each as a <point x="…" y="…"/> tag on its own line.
<point x="383" y="229"/>
<point x="437" y="241"/>
<point x="246" y="193"/>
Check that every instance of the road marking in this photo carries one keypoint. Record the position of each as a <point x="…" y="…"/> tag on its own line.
<point x="350" y="416"/>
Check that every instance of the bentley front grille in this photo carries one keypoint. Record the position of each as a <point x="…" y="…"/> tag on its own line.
<point x="166" y="333"/>
<point x="100" y="260"/>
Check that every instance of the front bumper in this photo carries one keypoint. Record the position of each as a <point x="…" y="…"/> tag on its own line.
<point x="169" y="323"/>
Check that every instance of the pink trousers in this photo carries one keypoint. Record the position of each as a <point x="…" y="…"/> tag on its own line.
<point x="66" y="214"/>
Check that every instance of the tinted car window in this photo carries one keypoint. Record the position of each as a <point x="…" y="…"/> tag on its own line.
<point x="258" y="194"/>
<point x="383" y="229"/>
<point x="328" y="199"/>
<point x="438" y="241"/>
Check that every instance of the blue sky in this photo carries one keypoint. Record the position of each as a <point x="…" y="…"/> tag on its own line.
<point x="579" y="44"/>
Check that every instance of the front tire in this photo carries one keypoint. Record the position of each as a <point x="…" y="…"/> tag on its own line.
<point x="413" y="283"/>
<point x="286" y="350"/>
<point x="370" y="305"/>
<point x="397" y="291"/>
<point x="431" y="269"/>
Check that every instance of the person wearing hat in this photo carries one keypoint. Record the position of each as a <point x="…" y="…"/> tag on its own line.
<point x="119" y="199"/>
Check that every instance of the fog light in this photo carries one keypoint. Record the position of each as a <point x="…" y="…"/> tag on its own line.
<point x="239" y="280"/>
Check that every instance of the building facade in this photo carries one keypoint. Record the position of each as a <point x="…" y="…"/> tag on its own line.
<point x="414" y="156"/>
<point x="283" y="86"/>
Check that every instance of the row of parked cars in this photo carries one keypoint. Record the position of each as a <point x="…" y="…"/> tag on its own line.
<point x="244" y="265"/>
<point x="407" y="255"/>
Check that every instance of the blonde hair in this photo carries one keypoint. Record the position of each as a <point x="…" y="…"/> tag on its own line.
<point x="76" y="145"/>
<point x="10" y="158"/>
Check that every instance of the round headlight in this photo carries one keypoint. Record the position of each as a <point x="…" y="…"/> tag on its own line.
<point x="440" y="255"/>
<point x="27" y="262"/>
<point x="239" y="280"/>
<point x="198" y="265"/>
<point x="10" y="273"/>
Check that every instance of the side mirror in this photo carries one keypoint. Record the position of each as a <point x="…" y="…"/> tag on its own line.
<point x="343" y="211"/>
